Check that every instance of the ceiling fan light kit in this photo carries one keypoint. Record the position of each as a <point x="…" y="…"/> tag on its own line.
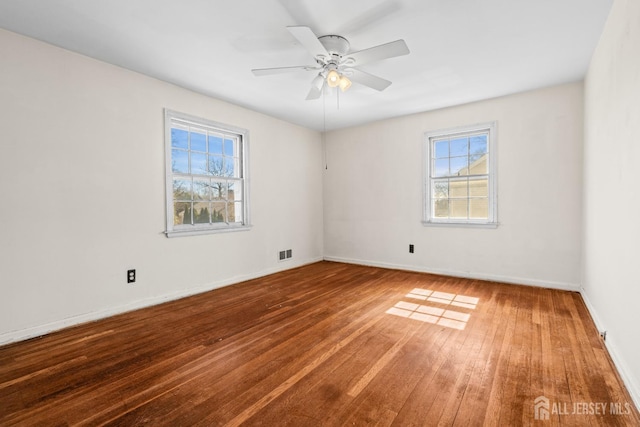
<point x="318" y="81"/>
<point x="333" y="78"/>
<point x="335" y="62"/>
<point x="344" y="84"/>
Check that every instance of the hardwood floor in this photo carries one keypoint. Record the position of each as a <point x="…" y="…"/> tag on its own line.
<point x="325" y="344"/>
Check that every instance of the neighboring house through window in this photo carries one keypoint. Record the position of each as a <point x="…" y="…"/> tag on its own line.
<point x="460" y="176"/>
<point x="206" y="175"/>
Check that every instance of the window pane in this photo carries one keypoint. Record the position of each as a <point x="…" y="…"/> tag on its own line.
<point x="179" y="161"/>
<point x="201" y="190"/>
<point x="198" y="163"/>
<point x="459" y="147"/>
<point x="229" y="147"/>
<point x="181" y="189"/>
<point x="235" y="212"/>
<point x="216" y="166"/>
<point x="219" y="190"/>
<point x="440" y="189"/>
<point x="441" y="167"/>
<point x="458" y="208"/>
<point x="180" y="138"/>
<point x="459" y="166"/>
<point x="236" y="168"/>
<point x="229" y="166"/>
<point x="479" y="208"/>
<point x="181" y="213"/>
<point x="479" y="187"/>
<point x="201" y="213"/>
<point x="458" y="188"/>
<point x="441" y="208"/>
<point x="478" y="164"/>
<point x="441" y="149"/>
<point x="198" y="140"/>
<point x="234" y="191"/>
<point x="478" y="144"/>
<point x="219" y="212"/>
<point x="215" y="143"/>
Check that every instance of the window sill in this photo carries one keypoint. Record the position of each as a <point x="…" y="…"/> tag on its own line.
<point x="460" y="224"/>
<point x="199" y="231"/>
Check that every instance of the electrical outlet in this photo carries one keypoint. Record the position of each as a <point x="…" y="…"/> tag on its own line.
<point x="603" y="334"/>
<point x="131" y="276"/>
<point x="410" y="249"/>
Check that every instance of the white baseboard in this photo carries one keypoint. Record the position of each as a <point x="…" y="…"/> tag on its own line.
<point x="610" y="343"/>
<point x="40" y="330"/>
<point x="464" y="274"/>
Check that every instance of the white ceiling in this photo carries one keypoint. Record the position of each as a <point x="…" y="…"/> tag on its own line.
<point x="461" y="50"/>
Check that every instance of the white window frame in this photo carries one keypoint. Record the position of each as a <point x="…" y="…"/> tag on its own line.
<point x="429" y="137"/>
<point x="172" y="230"/>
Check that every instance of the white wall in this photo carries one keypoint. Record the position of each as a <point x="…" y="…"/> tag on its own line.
<point x="611" y="194"/>
<point x="373" y="193"/>
<point x="82" y="193"/>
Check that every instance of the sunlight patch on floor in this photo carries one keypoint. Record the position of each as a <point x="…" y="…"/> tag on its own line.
<point x="436" y="315"/>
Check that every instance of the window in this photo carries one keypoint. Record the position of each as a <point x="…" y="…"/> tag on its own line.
<point x="460" y="176"/>
<point x="206" y="176"/>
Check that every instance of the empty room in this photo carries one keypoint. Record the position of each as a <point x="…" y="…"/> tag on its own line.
<point x="304" y="213"/>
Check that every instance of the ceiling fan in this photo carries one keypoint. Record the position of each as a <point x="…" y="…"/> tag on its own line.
<point x="336" y="66"/>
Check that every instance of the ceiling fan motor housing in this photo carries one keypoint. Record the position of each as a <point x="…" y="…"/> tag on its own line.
<point x="335" y="45"/>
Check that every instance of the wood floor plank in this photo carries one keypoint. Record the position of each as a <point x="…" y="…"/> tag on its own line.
<point x="324" y="344"/>
<point x="389" y="391"/>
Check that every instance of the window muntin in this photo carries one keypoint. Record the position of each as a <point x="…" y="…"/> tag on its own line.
<point x="206" y="175"/>
<point x="460" y="176"/>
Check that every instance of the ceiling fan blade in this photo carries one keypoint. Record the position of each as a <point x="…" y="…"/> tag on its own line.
<point x="316" y="87"/>
<point x="314" y="93"/>
<point x="377" y="53"/>
<point x="374" y="82"/>
<point x="279" y="70"/>
<point x="309" y="41"/>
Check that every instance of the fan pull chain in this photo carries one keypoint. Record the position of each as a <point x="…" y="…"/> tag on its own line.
<point x="324" y="129"/>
